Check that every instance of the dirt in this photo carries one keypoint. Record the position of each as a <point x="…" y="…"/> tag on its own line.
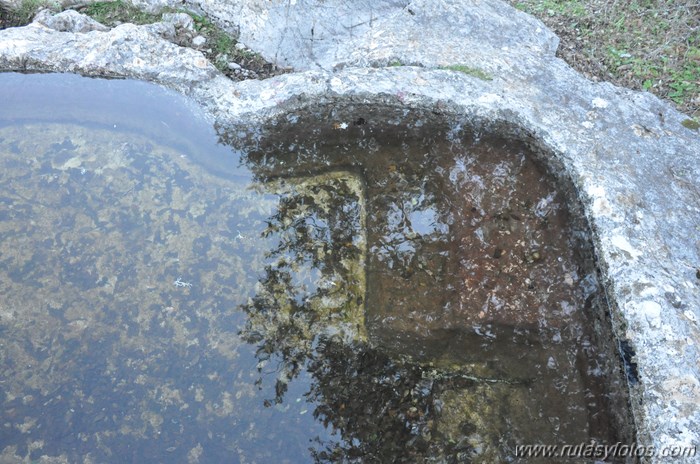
<point x="237" y="62"/>
<point x="650" y="45"/>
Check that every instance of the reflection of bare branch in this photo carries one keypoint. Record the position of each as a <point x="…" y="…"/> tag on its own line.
<point x="315" y="277"/>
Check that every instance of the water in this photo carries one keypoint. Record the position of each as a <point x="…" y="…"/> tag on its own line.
<point x="353" y="283"/>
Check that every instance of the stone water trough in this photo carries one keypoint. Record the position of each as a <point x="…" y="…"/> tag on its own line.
<point x="622" y="164"/>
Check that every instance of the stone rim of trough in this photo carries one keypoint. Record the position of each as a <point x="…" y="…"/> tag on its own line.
<point x="632" y="163"/>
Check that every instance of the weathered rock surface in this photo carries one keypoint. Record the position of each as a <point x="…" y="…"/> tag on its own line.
<point x="632" y="161"/>
<point x="126" y="50"/>
<point x="68" y="21"/>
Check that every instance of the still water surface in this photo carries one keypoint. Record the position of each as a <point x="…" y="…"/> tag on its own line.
<point x="365" y="284"/>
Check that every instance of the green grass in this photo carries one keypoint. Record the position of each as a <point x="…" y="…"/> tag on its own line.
<point x="651" y="45"/>
<point x="572" y="8"/>
<point x="222" y="45"/>
<point x="116" y="12"/>
<point x="684" y="83"/>
<point x="26" y="12"/>
<point x="682" y="79"/>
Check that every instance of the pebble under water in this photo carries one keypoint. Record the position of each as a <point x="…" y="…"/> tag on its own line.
<point x="350" y="283"/>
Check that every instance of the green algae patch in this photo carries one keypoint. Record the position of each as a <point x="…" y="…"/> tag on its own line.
<point x="469" y="70"/>
<point x="691" y="124"/>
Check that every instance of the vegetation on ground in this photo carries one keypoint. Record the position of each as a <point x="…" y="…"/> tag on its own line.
<point x="113" y="13"/>
<point x="220" y="46"/>
<point x="651" y="45"/>
<point x="24" y="13"/>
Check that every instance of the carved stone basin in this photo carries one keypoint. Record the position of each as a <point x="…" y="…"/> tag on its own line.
<point x="499" y="234"/>
<point x="354" y="260"/>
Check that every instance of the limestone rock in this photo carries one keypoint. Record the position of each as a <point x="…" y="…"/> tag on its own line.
<point x="68" y="21"/>
<point x="199" y="41"/>
<point x="127" y="50"/>
<point x="163" y="29"/>
<point x="179" y="20"/>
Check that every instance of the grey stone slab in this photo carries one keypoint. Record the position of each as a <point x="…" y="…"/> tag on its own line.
<point x="68" y="21"/>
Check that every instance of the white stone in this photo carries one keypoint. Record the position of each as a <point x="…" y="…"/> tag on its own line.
<point x="652" y="312"/>
<point x="623" y="244"/>
<point x="599" y="103"/>
<point x="601" y="207"/>
<point x="199" y="41"/>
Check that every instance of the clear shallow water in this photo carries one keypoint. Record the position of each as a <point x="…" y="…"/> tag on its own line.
<point x="357" y="283"/>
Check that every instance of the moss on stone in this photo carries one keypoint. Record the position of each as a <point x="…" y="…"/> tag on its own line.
<point x="691" y="124"/>
<point x="471" y="71"/>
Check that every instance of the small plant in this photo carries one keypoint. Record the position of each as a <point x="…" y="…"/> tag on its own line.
<point x="221" y="46"/>
<point x="395" y="63"/>
<point x="684" y="83"/>
<point x="474" y="72"/>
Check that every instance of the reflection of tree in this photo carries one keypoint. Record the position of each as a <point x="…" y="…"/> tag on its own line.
<point x="308" y="311"/>
<point x="408" y="229"/>
<point x="417" y="209"/>
<point x="308" y="314"/>
<point x="314" y="281"/>
<point x="380" y="408"/>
